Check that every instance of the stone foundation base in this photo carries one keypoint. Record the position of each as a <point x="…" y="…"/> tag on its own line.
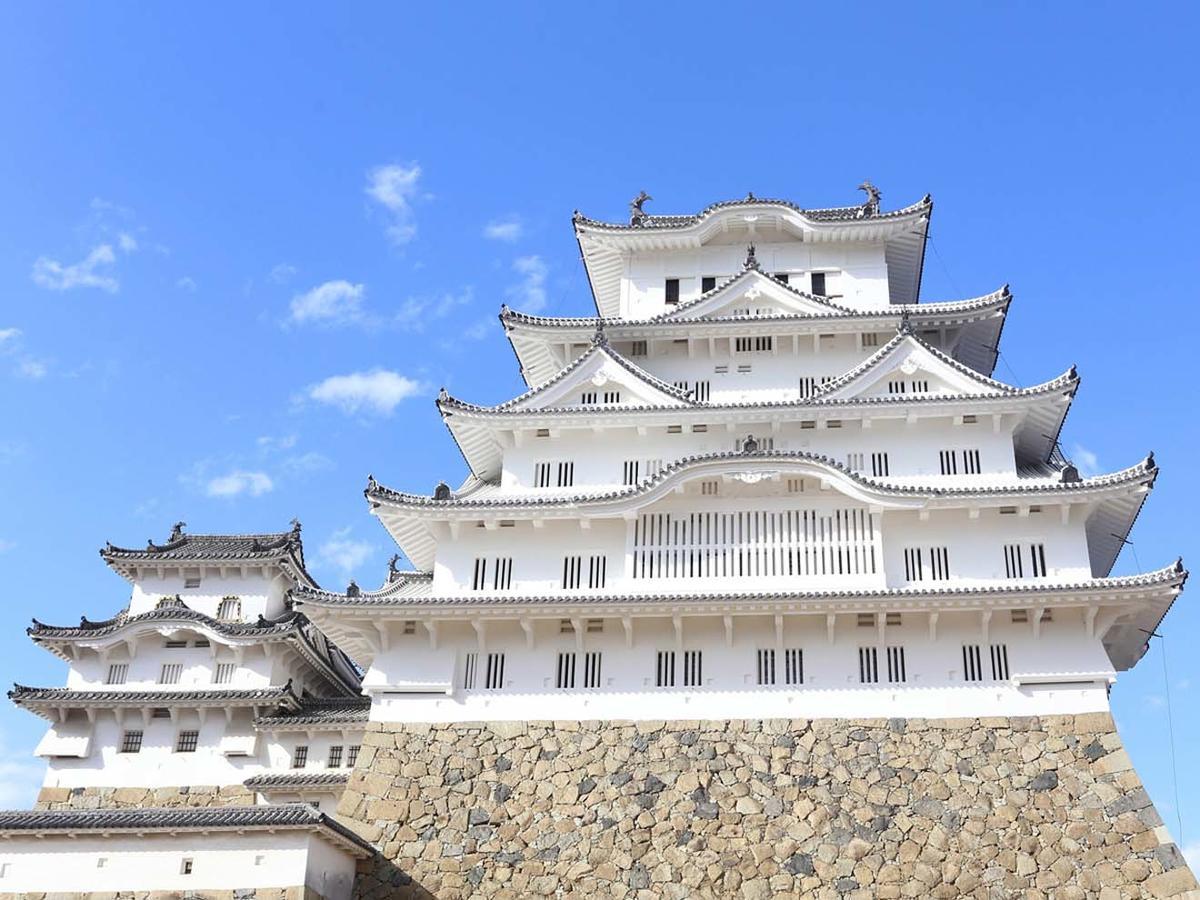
<point x="125" y="797"/>
<point x="985" y="808"/>
<point x="291" y="893"/>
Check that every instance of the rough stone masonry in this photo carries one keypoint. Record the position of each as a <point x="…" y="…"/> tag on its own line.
<point x="1044" y="807"/>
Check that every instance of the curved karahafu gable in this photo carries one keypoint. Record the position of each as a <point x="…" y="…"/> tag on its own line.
<point x="543" y="344"/>
<point x="1117" y="497"/>
<point x="605" y="245"/>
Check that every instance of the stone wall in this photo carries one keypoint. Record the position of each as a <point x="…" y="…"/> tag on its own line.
<point x="985" y="808"/>
<point x="289" y="893"/>
<point x="125" y="797"/>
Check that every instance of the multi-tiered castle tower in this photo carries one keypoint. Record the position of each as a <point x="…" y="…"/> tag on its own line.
<point x="764" y="587"/>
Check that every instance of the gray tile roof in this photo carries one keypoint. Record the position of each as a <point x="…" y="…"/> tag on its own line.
<point x="151" y="819"/>
<point x="342" y="711"/>
<point x="37" y="699"/>
<point x="832" y="214"/>
<point x="298" y="781"/>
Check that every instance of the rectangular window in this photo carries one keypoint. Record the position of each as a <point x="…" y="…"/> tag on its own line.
<point x="710" y="487"/>
<point x="573" y="572"/>
<point x="896" y="673"/>
<point x="868" y="665"/>
<point x="972" y="670"/>
<point x="502" y="573"/>
<point x="572" y="567"/>
<point x="672" y="290"/>
<point x="761" y="344"/>
<point x="870" y="340"/>
<point x="664" y="672"/>
<point x="541" y="474"/>
<point x="117" y="673"/>
<point x="470" y="663"/>
<point x="160" y="712"/>
<point x="971" y="464"/>
<point x="630" y="472"/>
<point x="931" y="564"/>
<point x="479" y="574"/>
<point x="1012" y="561"/>
<point x="410" y="627"/>
<point x="566" y="474"/>
<point x="701" y="391"/>
<point x="229" y="609"/>
<point x="191" y="583"/>
<point x="335" y="757"/>
<point x="939" y="563"/>
<point x="948" y="462"/>
<point x="707" y="283"/>
<point x="594" y="626"/>
<point x="495" y="672"/>
<point x="693" y="668"/>
<point x="187" y="741"/>
<point x="999" y="662"/>
<point x="564" y="676"/>
<point x="300" y="757"/>
<point x="879" y="465"/>
<point x="170" y="673"/>
<point x="588" y="398"/>
<point x="224" y="673"/>
<point x="793" y="666"/>
<point x="591" y="670"/>
<point x="175" y="645"/>
<point x="855" y="462"/>
<point x="612" y="397"/>
<point x="638" y="348"/>
<point x="766" y="666"/>
<point x="818" y="284"/>
<point x="597" y="571"/>
<point x="1037" y="560"/>
<point x="352" y="755"/>
<point x="914" y="570"/>
<point x="186" y="865"/>
<point x="131" y="742"/>
<point x="781" y="277"/>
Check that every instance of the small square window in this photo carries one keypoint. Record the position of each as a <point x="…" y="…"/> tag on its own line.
<point x="191" y="583"/>
<point x="101" y="862"/>
<point x="187" y="742"/>
<point x="131" y="742"/>
<point x="410" y="627"/>
<point x="186" y="866"/>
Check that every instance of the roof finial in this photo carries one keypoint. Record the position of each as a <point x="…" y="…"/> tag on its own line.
<point x="870" y="207"/>
<point x="1150" y="464"/>
<point x="749" y="445"/>
<point x="295" y="527"/>
<point x="905" y="326"/>
<point x="751" y="260"/>
<point x="637" y="215"/>
<point x="443" y="394"/>
<point x="352" y="589"/>
<point x="600" y="339"/>
<point x="749" y="197"/>
<point x="176" y="532"/>
<point x="441" y="491"/>
<point x="393" y="570"/>
<point x="1069" y="474"/>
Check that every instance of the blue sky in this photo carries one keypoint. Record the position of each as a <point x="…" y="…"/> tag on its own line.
<point x="241" y="247"/>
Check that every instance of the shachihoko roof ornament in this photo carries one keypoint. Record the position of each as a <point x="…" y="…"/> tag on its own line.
<point x="871" y="206"/>
<point x="751" y="261"/>
<point x="637" y="215"/>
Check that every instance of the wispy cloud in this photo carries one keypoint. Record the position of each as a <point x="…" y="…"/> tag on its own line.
<point x="508" y="229"/>
<point x="282" y="273"/>
<point x="305" y="464"/>
<point x="239" y="482"/>
<point x="187" y="283"/>
<point x="394" y="187"/>
<point x="343" y="553"/>
<point x="12" y="345"/>
<point x="530" y="292"/>
<point x="271" y="443"/>
<point x="127" y="242"/>
<point x="33" y="369"/>
<point x="1085" y="460"/>
<point x="91" y="272"/>
<point x="9" y="336"/>
<point x="416" y="313"/>
<point x="378" y="391"/>
<point x="332" y="303"/>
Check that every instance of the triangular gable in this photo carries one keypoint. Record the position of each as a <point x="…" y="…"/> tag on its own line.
<point x="908" y="366"/>
<point x="607" y="378"/>
<point x="753" y="290"/>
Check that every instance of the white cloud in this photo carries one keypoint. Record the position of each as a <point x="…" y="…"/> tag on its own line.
<point x="187" y="283"/>
<point x="379" y="391"/>
<point x="239" y="482"/>
<point x="305" y="464"/>
<point x="343" y="553"/>
<point x="530" y="292"/>
<point x="270" y="443"/>
<point x="393" y="187"/>
<point x="336" y="302"/>
<point x="1085" y="460"/>
<point x="282" y="273"/>
<point x="9" y="334"/>
<point x="32" y="369"/>
<point x="416" y="312"/>
<point x="507" y="230"/>
<point x="54" y="276"/>
<point x="127" y="242"/>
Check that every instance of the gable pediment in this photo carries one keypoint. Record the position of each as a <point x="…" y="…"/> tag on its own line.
<point x="907" y="366"/>
<point x="751" y="293"/>
<point x="600" y="378"/>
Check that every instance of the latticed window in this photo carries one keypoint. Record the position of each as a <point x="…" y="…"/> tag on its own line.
<point x="352" y="755"/>
<point x="300" y="757"/>
<point x="187" y="741"/>
<point x="224" y="673"/>
<point x="117" y="673"/>
<point x="230" y="609"/>
<point x="335" y="757"/>
<point x="131" y="742"/>
<point x="170" y="673"/>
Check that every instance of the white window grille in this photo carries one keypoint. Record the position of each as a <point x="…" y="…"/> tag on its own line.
<point x="870" y="340"/>
<point x="948" y="462"/>
<point x="564" y="675"/>
<point x="229" y="609"/>
<point x="795" y="485"/>
<point x="334" y="760"/>
<point x="710" y="487"/>
<point x="926" y="564"/>
<point x="999" y="662"/>
<point x="693" y="668"/>
<point x="594" y="626"/>
<point x="793" y="666"/>
<point x="170" y="673"/>
<point x="611" y="397"/>
<point x="759" y="543"/>
<point x="1037" y="559"/>
<point x="868" y="665"/>
<point x="637" y="348"/>
<point x="630" y="472"/>
<point x="972" y="669"/>
<point x="191" y="582"/>
<point x="541" y="474"/>
<point x="495" y="672"/>
<point x="664" y="671"/>
<point x="971" y="462"/>
<point x="896" y="671"/>
<point x="879" y="465"/>
<point x="117" y="673"/>
<point x="470" y="670"/>
<point x="855" y="462"/>
<point x="1014" y="562"/>
<point x="300" y="757"/>
<point x="766" y="666"/>
<point x="1013" y="567"/>
<point x="224" y="673"/>
<point x="588" y="398"/>
<point x="591" y="669"/>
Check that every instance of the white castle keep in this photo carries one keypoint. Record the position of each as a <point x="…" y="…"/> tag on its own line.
<point x="764" y="482"/>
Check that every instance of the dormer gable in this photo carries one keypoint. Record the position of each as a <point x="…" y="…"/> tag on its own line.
<point x="906" y="365"/>
<point x="749" y="293"/>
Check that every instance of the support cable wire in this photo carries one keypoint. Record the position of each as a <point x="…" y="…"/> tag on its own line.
<point x="1170" y="728"/>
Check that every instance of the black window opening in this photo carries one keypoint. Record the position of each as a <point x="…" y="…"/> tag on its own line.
<point x="672" y="290"/>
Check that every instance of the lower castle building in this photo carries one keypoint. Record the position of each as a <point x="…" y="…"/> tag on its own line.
<point x="765" y="587"/>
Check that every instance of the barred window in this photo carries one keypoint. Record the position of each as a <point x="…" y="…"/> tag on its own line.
<point x="187" y="741"/>
<point x="972" y="670"/>
<point x="868" y="665"/>
<point x="495" y="672"/>
<point x="117" y="673"/>
<point x="896" y="672"/>
<point x="793" y="666"/>
<point x="470" y="666"/>
<point x="335" y="757"/>
<point x="170" y="673"/>
<point x="664" y="672"/>
<point x="131" y="742"/>
<point x="230" y="609"/>
<point x="352" y="755"/>
<point x="693" y="668"/>
<point x="564" y="675"/>
<point x="224" y="673"/>
<point x="300" y="757"/>
<point x="591" y="669"/>
<point x="766" y="666"/>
